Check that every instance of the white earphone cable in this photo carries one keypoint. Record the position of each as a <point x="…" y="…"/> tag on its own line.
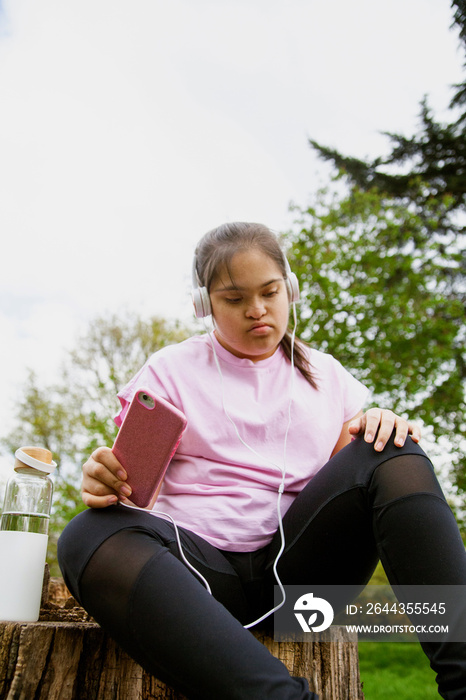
<point x="282" y="469"/>
<point x="281" y="488"/>
<point x="178" y="540"/>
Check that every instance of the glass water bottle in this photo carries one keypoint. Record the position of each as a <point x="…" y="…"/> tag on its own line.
<point x="24" y="534"/>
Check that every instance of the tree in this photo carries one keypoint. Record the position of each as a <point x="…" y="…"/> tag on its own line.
<point x="396" y="243"/>
<point x="368" y="268"/>
<point x="436" y="156"/>
<point x="75" y="414"/>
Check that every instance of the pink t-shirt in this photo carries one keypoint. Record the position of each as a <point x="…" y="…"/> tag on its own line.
<point x="215" y="486"/>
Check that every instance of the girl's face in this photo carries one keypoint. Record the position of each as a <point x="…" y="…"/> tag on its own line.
<point x="251" y="312"/>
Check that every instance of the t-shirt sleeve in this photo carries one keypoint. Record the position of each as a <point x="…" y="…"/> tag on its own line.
<point x="355" y="394"/>
<point x="347" y="392"/>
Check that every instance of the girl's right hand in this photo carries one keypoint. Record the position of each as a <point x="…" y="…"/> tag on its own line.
<point x="104" y="480"/>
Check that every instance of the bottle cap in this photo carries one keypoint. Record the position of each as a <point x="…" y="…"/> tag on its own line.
<point x="36" y="457"/>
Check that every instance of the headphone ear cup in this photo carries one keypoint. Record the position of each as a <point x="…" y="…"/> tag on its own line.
<point x="201" y="301"/>
<point x="200" y="295"/>
<point x="206" y="305"/>
<point x="292" y="286"/>
<point x="196" y="297"/>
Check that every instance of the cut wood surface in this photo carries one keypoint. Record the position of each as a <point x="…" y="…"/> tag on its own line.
<point x="67" y="656"/>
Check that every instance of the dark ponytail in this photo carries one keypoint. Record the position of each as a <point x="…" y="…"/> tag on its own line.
<point x="300" y="358"/>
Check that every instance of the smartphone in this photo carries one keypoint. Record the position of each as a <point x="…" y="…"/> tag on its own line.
<point x="146" y="442"/>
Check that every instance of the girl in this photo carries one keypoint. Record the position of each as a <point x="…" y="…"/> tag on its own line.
<point x="266" y="416"/>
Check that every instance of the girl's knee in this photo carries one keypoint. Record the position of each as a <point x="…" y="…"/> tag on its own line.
<point x="360" y="460"/>
<point x="74" y="548"/>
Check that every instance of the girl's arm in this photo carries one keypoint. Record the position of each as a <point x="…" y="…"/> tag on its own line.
<point x="377" y="423"/>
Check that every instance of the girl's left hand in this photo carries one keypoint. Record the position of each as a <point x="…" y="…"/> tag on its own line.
<point x="379" y="423"/>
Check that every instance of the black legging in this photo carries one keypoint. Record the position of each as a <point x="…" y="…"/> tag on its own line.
<point x="124" y="567"/>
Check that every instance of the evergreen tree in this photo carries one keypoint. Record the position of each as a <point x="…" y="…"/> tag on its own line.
<point x="436" y="156"/>
<point x="368" y="269"/>
<point x="397" y="243"/>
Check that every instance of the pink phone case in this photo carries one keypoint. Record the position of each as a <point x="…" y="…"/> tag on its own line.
<point x="146" y="442"/>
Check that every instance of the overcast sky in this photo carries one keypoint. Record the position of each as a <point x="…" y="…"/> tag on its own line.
<point x="128" y="129"/>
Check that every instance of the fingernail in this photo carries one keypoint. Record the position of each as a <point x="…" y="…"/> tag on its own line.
<point x="399" y="441"/>
<point x="121" y="475"/>
<point x="125" y="490"/>
<point x="379" y="446"/>
<point x="369" y="437"/>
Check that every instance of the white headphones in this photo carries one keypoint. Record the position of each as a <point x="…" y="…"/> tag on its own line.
<point x="201" y="299"/>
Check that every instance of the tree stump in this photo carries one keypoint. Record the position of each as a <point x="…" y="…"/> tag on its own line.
<point x="67" y="656"/>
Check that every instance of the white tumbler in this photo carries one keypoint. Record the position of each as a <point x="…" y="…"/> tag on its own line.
<point x="24" y="534"/>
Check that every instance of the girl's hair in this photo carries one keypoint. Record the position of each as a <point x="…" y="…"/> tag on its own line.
<point x="217" y="248"/>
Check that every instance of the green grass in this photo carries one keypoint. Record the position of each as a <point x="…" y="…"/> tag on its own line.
<point x="396" y="670"/>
